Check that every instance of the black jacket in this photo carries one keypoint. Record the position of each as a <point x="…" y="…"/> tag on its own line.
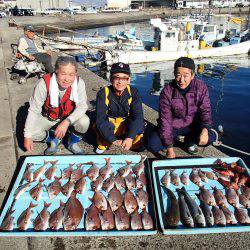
<point x="119" y="107"/>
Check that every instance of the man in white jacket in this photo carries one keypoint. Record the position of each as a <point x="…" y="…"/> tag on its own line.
<point x="57" y="106"/>
<point x="28" y="48"/>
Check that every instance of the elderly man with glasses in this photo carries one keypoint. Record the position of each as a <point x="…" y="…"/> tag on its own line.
<point x="119" y="114"/>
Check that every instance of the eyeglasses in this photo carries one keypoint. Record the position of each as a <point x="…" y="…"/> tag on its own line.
<point x="121" y="79"/>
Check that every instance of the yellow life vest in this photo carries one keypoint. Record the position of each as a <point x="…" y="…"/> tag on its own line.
<point x="107" y="94"/>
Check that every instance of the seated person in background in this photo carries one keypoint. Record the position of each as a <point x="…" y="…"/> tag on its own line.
<point x="184" y="109"/>
<point x="58" y="106"/>
<point x="28" y="48"/>
<point x="119" y="114"/>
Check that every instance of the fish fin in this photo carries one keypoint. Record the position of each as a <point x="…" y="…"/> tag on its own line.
<point x="128" y="162"/>
<point x="79" y="165"/>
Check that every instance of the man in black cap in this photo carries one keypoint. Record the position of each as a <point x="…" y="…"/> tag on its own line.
<point x="119" y="114"/>
<point x="28" y="48"/>
<point x="184" y="109"/>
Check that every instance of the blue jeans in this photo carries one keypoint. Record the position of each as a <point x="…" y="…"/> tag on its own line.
<point x="155" y="143"/>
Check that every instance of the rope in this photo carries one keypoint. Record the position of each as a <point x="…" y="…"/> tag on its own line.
<point x="218" y="143"/>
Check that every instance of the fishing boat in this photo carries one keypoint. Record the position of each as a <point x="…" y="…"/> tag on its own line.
<point x="169" y="44"/>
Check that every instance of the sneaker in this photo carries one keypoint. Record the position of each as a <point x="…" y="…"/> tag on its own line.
<point x="100" y="151"/>
<point x="193" y="149"/>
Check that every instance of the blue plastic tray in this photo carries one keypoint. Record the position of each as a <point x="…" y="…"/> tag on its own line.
<point x="23" y="202"/>
<point x="158" y="170"/>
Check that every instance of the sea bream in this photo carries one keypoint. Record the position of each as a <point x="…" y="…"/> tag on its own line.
<point x="244" y="201"/>
<point x="36" y="192"/>
<point x="80" y="185"/>
<point x="219" y="216"/>
<point x="66" y="173"/>
<point x="141" y="181"/>
<point x="124" y="171"/>
<point x="142" y="198"/>
<point x="202" y="176"/>
<point x="232" y="197"/>
<point x="184" y="178"/>
<point x="100" y="201"/>
<point x="93" y="171"/>
<point x="41" y="222"/>
<point x="8" y="222"/>
<point x="174" y="178"/>
<point x="108" y="184"/>
<point x="29" y="175"/>
<point x="165" y="180"/>
<point x="24" y="219"/>
<point x="230" y="218"/>
<point x="77" y="173"/>
<point x="185" y="215"/>
<point x="122" y="219"/>
<point x="139" y="168"/>
<point x="172" y="214"/>
<point x="97" y="184"/>
<point x="21" y="190"/>
<point x="68" y="188"/>
<point x="136" y="221"/>
<point x="147" y="221"/>
<point x="241" y="216"/>
<point x="106" y="171"/>
<point x="207" y="197"/>
<point x="195" y="210"/>
<point x="54" y="188"/>
<point x="194" y="177"/>
<point x="209" y="218"/>
<point x="107" y="219"/>
<point x="56" y="217"/>
<point x="51" y="171"/>
<point x="210" y="175"/>
<point x="92" y="220"/>
<point x="130" y="202"/>
<point x="220" y="198"/>
<point x="40" y="171"/>
<point x="130" y="181"/>
<point x="119" y="182"/>
<point x="115" y="199"/>
<point x="72" y="213"/>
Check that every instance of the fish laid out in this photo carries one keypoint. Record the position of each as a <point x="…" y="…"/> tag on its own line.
<point x="203" y="203"/>
<point x="83" y="196"/>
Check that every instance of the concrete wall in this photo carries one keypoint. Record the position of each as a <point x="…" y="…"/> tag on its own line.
<point x="42" y="4"/>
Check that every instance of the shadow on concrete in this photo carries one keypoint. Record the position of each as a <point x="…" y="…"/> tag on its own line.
<point x="21" y="116"/>
<point x="12" y="182"/>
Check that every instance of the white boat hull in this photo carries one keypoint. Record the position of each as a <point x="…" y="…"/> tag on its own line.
<point x="132" y="57"/>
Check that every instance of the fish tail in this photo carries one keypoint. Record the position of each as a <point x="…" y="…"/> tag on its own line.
<point x="107" y="161"/>
<point x="71" y="164"/>
<point x="46" y="204"/>
<point x="41" y="180"/>
<point x="62" y="204"/>
<point x="89" y="163"/>
<point x="143" y="158"/>
<point x="79" y="165"/>
<point x="32" y="204"/>
<point x="128" y="162"/>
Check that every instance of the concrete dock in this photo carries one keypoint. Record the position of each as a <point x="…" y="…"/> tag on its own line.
<point x="14" y="102"/>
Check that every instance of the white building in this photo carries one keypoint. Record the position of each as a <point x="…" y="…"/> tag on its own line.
<point x="109" y="4"/>
<point x="42" y="4"/>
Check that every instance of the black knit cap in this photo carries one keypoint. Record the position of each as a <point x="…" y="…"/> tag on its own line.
<point x="185" y="62"/>
<point x="120" y="68"/>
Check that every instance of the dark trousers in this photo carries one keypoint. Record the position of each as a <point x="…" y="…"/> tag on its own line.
<point x="45" y="59"/>
<point x="155" y="143"/>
